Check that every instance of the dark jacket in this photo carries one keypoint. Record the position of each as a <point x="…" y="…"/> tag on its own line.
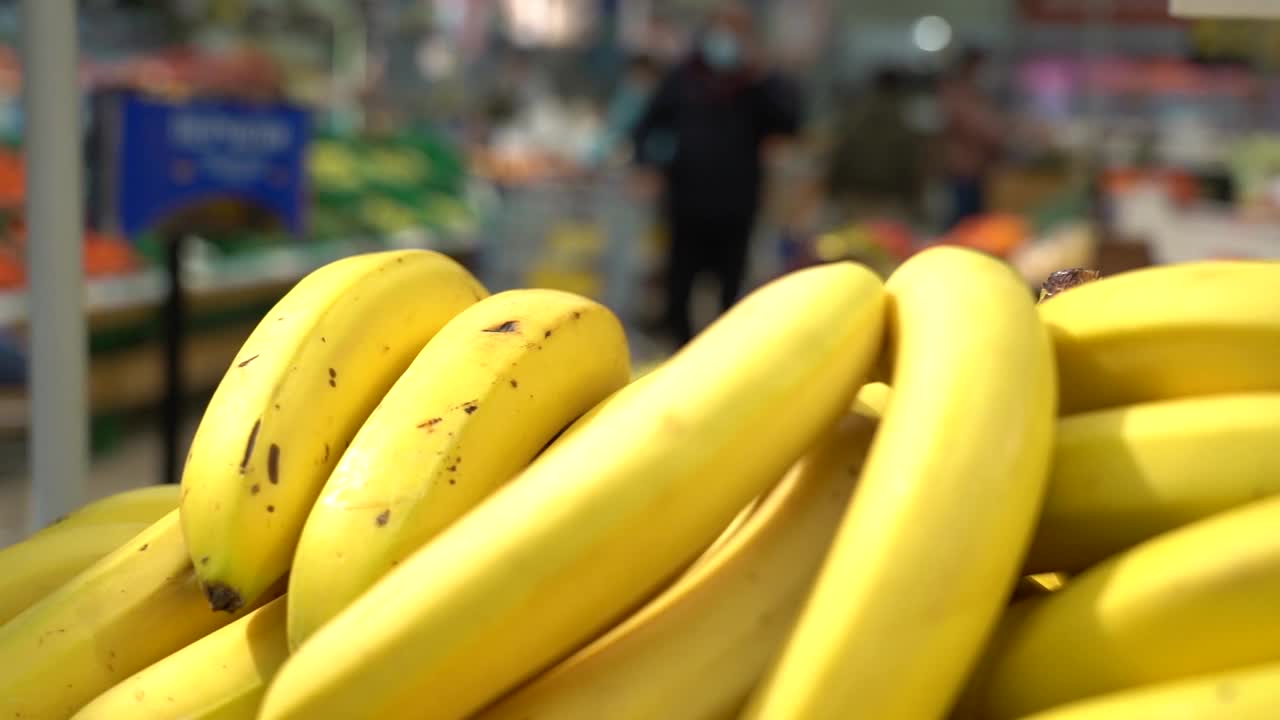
<point x="705" y="131"/>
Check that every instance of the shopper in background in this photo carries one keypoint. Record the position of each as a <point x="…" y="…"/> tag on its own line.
<point x="714" y="111"/>
<point x="972" y="136"/>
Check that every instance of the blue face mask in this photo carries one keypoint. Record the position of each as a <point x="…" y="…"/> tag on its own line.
<point x="720" y="50"/>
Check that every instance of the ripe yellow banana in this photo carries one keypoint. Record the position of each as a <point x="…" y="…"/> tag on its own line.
<point x="306" y="378"/>
<point x="1249" y="694"/>
<point x="221" y="676"/>
<point x="143" y="505"/>
<point x="128" y="610"/>
<point x="950" y="492"/>
<point x="38" y="565"/>
<point x="484" y="396"/>
<point x="1165" y="332"/>
<point x="599" y="521"/>
<point x="968" y="704"/>
<point x="697" y="650"/>
<point x="1123" y="475"/>
<point x="871" y="401"/>
<point x="1197" y="600"/>
<point x="735" y="526"/>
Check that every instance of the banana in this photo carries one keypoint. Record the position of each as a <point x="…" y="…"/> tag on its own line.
<point x="735" y="526"/>
<point x="1197" y="600"/>
<point x="950" y="492"/>
<point x="520" y="366"/>
<point x="871" y="401"/>
<point x="697" y="650"/>
<point x="599" y="521"/>
<point x="968" y="704"/>
<point x="306" y="378"/>
<point x="1249" y="694"/>
<point x="221" y="676"/>
<point x="143" y="505"/>
<point x="131" y="608"/>
<point x="1166" y="332"/>
<point x="1123" y="475"/>
<point x="36" y="567"/>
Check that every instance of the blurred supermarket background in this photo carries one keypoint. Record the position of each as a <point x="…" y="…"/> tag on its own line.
<point x="577" y="144"/>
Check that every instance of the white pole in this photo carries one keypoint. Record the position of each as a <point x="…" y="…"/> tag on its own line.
<point x="58" y="346"/>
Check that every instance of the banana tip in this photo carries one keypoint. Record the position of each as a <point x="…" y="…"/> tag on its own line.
<point x="223" y="598"/>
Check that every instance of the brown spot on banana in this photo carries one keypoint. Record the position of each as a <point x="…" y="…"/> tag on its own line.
<point x="273" y="464"/>
<point x="248" y="448"/>
<point x="247" y="360"/>
<point x="509" y="326"/>
<point x="382" y="518"/>
<point x="222" y="597"/>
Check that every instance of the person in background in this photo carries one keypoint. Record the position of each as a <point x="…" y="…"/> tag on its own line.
<point x="714" y="112"/>
<point x="876" y="166"/>
<point x="973" y="133"/>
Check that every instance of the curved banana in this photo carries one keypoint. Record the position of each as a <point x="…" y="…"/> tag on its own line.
<point x="221" y="676"/>
<point x="1249" y="694"/>
<point x="735" y="526"/>
<point x="950" y="492"/>
<point x="128" y="610"/>
<point x="36" y="566"/>
<point x="871" y="401"/>
<point x="697" y="650"/>
<point x="599" y="521"/>
<point x="1123" y="475"/>
<point x="520" y="366"/>
<point x="1197" y="600"/>
<point x="143" y="505"/>
<point x="306" y="378"/>
<point x="1165" y="332"/>
<point x="968" y="704"/>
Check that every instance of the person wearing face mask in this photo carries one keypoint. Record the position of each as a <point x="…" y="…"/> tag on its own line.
<point x="714" y="112"/>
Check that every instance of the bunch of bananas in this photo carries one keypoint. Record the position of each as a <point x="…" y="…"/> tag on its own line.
<point x="923" y="498"/>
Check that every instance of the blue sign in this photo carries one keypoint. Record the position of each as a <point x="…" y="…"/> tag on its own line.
<point x="174" y="155"/>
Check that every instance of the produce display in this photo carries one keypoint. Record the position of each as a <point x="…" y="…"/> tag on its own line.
<point x="379" y="186"/>
<point x="932" y="496"/>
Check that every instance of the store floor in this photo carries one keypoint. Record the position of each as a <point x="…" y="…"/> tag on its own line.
<point x="133" y="462"/>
